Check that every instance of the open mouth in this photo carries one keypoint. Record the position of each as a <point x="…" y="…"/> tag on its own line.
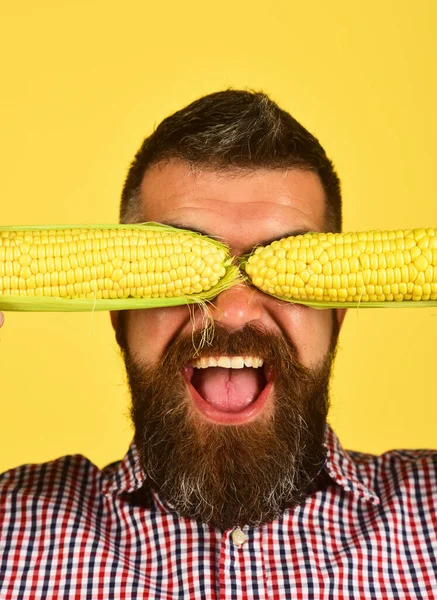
<point x="229" y="389"/>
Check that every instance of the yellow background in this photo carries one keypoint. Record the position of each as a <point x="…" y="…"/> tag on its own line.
<point x="84" y="81"/>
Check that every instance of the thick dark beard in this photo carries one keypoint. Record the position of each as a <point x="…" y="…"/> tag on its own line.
<point x="230" y="475"/>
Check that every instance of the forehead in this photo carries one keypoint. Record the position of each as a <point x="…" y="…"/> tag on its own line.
<point x="242" y="208"/>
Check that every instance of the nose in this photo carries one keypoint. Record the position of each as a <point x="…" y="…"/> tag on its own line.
<point x="236" y="307"/>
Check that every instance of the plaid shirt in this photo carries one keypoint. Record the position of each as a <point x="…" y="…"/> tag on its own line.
<point x="70" y="530"/>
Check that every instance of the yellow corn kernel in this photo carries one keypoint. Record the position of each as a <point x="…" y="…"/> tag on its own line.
<point x="379" y="266"/>
<point x="86" y="261"/>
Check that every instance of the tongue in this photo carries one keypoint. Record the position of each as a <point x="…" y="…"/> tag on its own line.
<point x="229" y="390"/>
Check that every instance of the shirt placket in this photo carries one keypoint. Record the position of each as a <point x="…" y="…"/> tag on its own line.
<point x="242" y="572"/>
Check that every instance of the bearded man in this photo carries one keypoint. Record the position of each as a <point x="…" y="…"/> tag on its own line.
<point x="234" y="486"/>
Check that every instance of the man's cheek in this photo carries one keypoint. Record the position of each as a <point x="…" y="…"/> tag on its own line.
<point x="150" y="331"/>
<point x="317" y="339"/>
<point x="309" y="330"/>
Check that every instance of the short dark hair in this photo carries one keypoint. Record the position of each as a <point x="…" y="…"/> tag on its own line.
<point x="233" y="129"/>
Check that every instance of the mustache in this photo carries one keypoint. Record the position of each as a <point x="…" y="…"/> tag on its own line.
<point x="252" y="340"/>
<point x="277" y="350"/>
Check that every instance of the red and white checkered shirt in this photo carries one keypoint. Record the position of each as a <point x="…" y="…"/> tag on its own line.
<point x="70" y="530"/>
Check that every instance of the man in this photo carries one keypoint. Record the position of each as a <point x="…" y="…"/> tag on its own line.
<point x="234" y="485"/>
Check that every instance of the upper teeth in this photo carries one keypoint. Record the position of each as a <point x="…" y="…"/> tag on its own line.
<point x="229" y="362"/>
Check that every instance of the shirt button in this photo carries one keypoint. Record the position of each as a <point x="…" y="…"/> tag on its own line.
<point x="238" y="537"/>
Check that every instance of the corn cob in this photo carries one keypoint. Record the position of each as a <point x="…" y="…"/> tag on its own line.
<point x="327" y="270"/>
<point x="109" y="267"/>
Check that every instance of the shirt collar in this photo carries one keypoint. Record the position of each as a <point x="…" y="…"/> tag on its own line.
<point x="343" y="468"/>
<point x="127" y="476"/>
